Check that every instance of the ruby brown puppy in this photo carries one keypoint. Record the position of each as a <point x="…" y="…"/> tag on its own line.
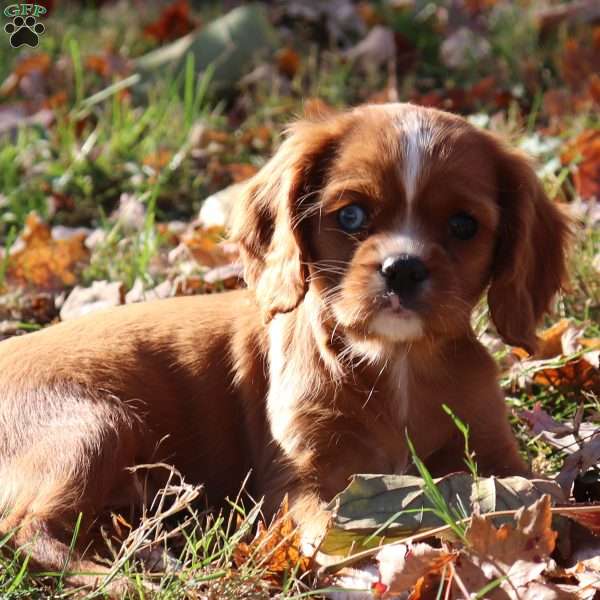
<point x="367" y="240"/>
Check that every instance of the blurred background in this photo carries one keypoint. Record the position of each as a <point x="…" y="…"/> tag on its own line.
<point x="125" y="126"/>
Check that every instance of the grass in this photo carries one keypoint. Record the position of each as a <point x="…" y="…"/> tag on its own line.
<point x="172" y="143"/>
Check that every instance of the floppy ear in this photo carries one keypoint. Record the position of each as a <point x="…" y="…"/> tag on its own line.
<point x="267" y="220"/>
<point x="529" y="264"/>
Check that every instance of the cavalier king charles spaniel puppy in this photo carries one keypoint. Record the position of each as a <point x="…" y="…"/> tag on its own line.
<point x="367" y="240"/>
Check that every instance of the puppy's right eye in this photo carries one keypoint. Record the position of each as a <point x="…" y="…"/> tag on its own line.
<point x="352" y="218"/>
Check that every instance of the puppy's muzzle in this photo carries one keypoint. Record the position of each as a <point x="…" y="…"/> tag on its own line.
<point x="404" y="275"/>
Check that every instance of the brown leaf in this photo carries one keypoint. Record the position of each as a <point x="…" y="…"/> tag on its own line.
<point x="44" y="262"/>
<point x="158" y="160"/>
<point x="39" y="62"/>
<point x="401" y="566"/>
<point x="586" y="149"/>
<point x="174" y="22"/>
<point x="575" y="375"/>
<point x="276" y="548"/>
<point x="531" y="539"/>
<point x="106" y="64"/>
<point x="288" y="62"/>
<point x="551" y="339"/>
<point x="540" y="421"/>
<point x="588" y="516"/>
<point x="514" y="555"/>
<point x="241" y="171"/>
<point x="206" y="246"/>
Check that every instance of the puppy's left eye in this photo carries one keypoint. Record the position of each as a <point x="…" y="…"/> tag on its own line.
<point x="463" y="226"/>
<point x="352" y="218"/>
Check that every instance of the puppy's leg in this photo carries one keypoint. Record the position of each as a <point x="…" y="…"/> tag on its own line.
<point x="490" y="438"/>
<point x="63" y="452"/>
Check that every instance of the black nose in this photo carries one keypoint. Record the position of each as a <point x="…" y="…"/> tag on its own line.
<point x="404" y="273"/>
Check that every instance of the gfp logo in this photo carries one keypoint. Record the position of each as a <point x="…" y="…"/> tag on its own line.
<point x="24" y="29"/>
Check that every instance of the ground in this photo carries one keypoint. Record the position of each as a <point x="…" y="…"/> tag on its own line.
<point x="110" y="145"/>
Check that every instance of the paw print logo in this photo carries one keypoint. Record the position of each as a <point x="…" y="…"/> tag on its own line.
<point x="24" y="31"/>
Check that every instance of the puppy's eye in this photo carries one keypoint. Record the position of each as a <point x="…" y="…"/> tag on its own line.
<point x="463" y="226"/>
<point x="352" y="218"/>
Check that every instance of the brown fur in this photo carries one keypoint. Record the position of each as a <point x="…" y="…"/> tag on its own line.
<point x="289" y="378"/>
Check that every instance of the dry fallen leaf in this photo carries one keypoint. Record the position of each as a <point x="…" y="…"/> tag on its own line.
<point x="574" y="375"/>
<point x="174" y="22"/>
<point x="276" y="548"/>
<point x="531" y="539"/>
<point x="206" y="246"/>
<point x="566" y="436"/>
<point x="241" y="171"/>
<point x="401" y="566"/>
<point x="515" y="555"/>
<point x="288" y="62"/>
<point x="100" y="295"/>
<point x="585" y="148"/>
<point x="44" y="262"/>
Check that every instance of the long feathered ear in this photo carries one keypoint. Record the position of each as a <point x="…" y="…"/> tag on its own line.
<point x="267" y="219"/>
<point x="530" y="260"/>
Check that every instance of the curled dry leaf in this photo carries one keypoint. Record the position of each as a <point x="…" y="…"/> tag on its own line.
<point x="559" y="435"/>
<point x="276" y="548"/>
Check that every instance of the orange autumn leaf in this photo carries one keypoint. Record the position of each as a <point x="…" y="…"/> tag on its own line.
<point x="174" y="21"/>
<point x="216" y="136"/>
<point x="276" y="548"/>
<point x="580" y="59"/>
<point x="158" y="160"/>
<point x="551" y="339"/>
<point x="585" y="148"/>
<point x="57" y="100"/>
<point x="577" y="374"/>
<point x="241" y="171"/>
<point x="98" y="64"/>
<point x="44" y="262"/>
<point x="288" y="62"/>
<point x="205" y="246"/>
<point x="259" y="137"/>
<point x="36" y="62"/>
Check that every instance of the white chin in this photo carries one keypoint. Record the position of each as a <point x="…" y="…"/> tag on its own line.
<point x="397" y="328"/>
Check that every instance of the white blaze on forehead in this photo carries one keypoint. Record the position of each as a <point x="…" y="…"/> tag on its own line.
<point x="416" y="138"/>
<point x="407" y="240"/>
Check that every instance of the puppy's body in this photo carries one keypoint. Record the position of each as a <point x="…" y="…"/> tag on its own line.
<point x="320" y="369"/>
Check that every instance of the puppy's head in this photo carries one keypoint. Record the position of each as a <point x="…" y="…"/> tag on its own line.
<point x="399" y="217"/>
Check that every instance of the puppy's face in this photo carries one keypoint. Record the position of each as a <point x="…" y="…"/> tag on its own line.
<point x="399" y="217"/>
<point x="404" y="237"/>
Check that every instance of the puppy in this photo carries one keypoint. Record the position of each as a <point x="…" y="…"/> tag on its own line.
<point x="367" y="240"/>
